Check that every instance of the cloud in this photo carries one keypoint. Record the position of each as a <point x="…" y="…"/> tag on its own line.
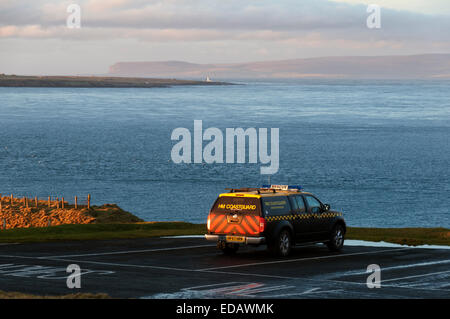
<point x="288" y="21"/>
<point x="419" y="6"/>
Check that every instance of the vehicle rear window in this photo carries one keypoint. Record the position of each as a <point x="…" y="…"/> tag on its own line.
<point x="229" y="204"/>
<point x="277" y="205"/>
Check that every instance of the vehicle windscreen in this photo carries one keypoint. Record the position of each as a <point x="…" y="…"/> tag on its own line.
<point x="228" y="204"/>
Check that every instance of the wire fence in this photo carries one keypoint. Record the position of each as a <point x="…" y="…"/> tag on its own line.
<point x="25" y="212"/>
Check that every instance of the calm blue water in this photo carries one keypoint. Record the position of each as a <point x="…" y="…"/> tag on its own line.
<point x="378" y="150"/>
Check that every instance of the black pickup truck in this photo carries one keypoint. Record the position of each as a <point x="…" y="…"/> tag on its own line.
<point x="279" y="216"/>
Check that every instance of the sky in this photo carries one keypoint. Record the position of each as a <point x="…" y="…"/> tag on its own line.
<point x="35" y="39"/>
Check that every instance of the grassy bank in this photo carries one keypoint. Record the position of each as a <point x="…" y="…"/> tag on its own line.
<point x="404" y="236"/>
<point x="99" y="231"/>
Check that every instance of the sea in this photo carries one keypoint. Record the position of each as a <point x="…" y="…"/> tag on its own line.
<point x="377" y="150"/>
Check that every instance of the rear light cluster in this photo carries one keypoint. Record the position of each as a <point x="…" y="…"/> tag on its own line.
<point x="262" y="224"/>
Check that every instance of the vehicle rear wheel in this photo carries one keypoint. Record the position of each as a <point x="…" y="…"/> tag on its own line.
<point x="336" y="238"/>
<point x="283" y="245"/>
<point x="228" y="248"/>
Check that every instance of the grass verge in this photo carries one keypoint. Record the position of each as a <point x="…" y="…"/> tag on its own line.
<point x="19" y="295"/>
<point x="403" y="236"/>
<point x="99" y="231"/>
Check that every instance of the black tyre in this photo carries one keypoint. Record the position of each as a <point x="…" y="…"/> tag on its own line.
<point x="283" y="244"/>
<point x="229" y="249"/>
<point x="336" y="238"/>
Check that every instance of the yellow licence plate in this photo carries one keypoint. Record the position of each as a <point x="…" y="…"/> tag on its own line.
<point x="235" y="239"/>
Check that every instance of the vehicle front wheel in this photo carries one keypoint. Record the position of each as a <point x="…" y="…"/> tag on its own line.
<point x="336" y="238"/>
<point x="283" y="244"/>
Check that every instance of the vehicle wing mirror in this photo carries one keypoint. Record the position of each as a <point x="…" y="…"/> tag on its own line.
<point x="326" y="207"/>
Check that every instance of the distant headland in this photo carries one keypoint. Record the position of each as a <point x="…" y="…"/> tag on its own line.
<point x="421" y="66"/>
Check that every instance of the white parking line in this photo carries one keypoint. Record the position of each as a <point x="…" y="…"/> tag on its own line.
<point x="247" y="289"/>
<point x="117" y="264"/>
<point x="167" y="268"/>
<point x="383" y="285"/>
<point x="319" y="280"/>
<point x="96" y="262"/>
<point x="43" y="272"/>
<point x="145" y="266"/>
<point x="417" y="276"/>
<point x="249" y="274"/>
<point x="304" y="259"/>
<point x="17" y="256"/>
<point x="127" y="252"/>
<point x="384" y="269"/>
<point x="308" y="292"/>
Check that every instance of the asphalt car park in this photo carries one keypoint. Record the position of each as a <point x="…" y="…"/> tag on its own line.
<point x="194" y="268"/>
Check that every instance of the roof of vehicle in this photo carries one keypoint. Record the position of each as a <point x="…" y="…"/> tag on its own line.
<point x="263" y="192"/>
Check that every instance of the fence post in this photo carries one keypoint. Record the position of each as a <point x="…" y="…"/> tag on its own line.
<point x="12" y="199"/>
<point x="49" y="201"/>
<point x="4" y="223"/>
<point x="76" y="202"/>
<point x="89" y="201"/>
<point x="62" y="203"/>
<point x="26" y="202"/>
<point x="1" y="207"/>
<point x="57" y="202"/>
<point x="36" y="201"/>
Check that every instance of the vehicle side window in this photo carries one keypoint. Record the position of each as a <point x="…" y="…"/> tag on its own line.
<point x="313" y="204"/>
<point x="293" y="200"/>
<point x="300" y="204"/>
<point x="277" y="205"/>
